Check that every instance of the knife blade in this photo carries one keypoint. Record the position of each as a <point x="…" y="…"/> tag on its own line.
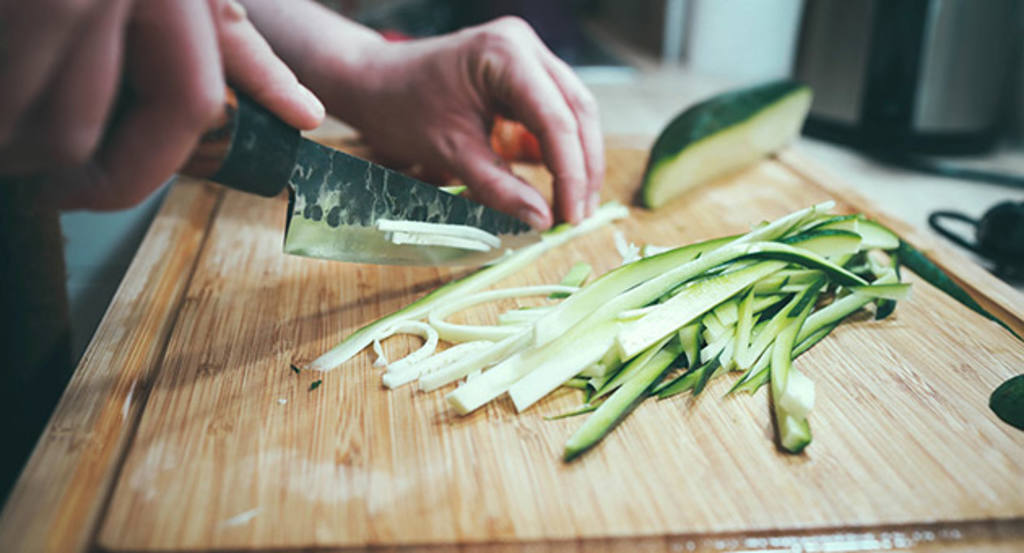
<point x="337" y="202"/>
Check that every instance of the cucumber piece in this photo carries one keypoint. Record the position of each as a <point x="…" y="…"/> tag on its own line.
<point x="792" y="396"/>
<point x="744" y="326"/>
<point x="688" y="380"/>
<point x="1007" y="401"/>
<point x="723" y="134"/>
<point x="689" y="304"/>
<point x="477" y="280"/>
<point x="621" y="402"/>
<point x="827" y="243"/>
<point x="576" y="276"/>
<point x="689" y="337"/>
<point x="916" y="261"/>
<point x="895" y="292"/>
<point x="631" y="369"/>
<point x="577" y="383"/>
<point x="581" y="410"/>
<point x="667" y="270"/>
<point x="640" y="334"/>
<point x="581" y="304"/>
<point x="874" y="235"/>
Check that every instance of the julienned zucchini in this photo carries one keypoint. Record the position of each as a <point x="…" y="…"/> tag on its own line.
<point x="723" y="134"/>
<point x="749" y="303"/>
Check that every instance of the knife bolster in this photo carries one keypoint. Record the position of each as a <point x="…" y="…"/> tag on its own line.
<point x="250" y="150"/>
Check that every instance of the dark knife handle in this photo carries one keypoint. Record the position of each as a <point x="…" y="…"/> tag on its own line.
<point x="249" y="149"/>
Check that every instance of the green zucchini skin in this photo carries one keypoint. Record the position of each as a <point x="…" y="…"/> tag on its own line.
<point x="1007" y="401"/>
<point x="712" y="118"/>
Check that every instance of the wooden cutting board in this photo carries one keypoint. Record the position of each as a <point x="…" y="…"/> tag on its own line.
<point x="233" y="451"/>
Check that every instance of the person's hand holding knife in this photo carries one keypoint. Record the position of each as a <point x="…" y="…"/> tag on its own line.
<point x="427" y="101"/>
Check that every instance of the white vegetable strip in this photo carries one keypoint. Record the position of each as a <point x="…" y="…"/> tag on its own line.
<point x="423" y="330"/>
<point x="440" y="229"/>
<point x="522" y="316"/>
<point x="551" y="363"/>
<point x="460" y="333"/>
<point x="438" y="240"/>
<point x="627" y="250"/>
<point x="472" y="362"/>
<point x="378" y="350"/>
<point x="396" y="378"/>
<point x="483" y="278"/>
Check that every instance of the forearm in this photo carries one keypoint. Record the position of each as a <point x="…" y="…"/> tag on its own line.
<point x="326" y="51"/>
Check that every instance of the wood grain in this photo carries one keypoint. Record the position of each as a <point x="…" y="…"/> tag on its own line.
<point x="57" y="502"/>
<point x="234" y="452"/>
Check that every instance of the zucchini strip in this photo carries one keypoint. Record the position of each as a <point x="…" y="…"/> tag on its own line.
<point x="576" y="276"/>
<point x="792" y="393"/>
<point x="470" y="363"/>
<point x="477" y="280"/>
<point x="395" y="378"/>
<point x="422" y="330"/>
<point x="461" y="333"/>
<point x="631" y="369"/>
<point x="462" y="232"/>
<point x="621" y="402"/>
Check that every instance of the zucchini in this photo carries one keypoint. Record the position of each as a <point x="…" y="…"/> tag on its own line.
<point x="916" y="261"/>
<point x="622" y="401"/>
<point x="472" y="282"/>
<point x="1007" y="401"/>
<point x="576" y="276"/>
<point x="723" y="134"/>
<point x="792" y="392"/>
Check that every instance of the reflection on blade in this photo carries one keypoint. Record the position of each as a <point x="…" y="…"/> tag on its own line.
<point x="358" y="244"/>
<point x="337" y="201"/>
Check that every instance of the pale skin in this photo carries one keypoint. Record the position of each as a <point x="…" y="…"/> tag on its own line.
<point x="428" y="102"/>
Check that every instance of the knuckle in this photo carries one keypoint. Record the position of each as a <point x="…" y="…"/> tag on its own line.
<point x="202" y="105"/>
<point x="507" y="32"/>
<point x="561" y="123"/>
<point x="512" y="24"/>
<point x="584" y="103"/>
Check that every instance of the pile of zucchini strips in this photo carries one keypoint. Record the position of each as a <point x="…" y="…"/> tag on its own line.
<point x="663" y="324"/>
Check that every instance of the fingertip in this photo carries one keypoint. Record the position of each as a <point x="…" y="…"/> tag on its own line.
<point x="537" y="218"/>
<point x="313" y="107"/>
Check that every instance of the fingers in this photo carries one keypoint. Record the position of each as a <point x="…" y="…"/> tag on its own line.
<point x="35" y="36"/>
<point x="82" y="93"/>
<point x="495" y="186"/>
<point x="513" y="71"/>
<point x="252" y="67"/>
<point x="64" y="123"/>
<point x="173" y="66"/>
<point x="584" y="108"/>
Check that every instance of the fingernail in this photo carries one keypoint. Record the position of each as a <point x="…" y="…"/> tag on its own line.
<point x="595" y="201"/>
<point x="311" y="101"/>
<point x="536" y="220"/>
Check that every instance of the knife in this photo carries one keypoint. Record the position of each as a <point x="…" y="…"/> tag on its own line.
<point x="342" y="207"/>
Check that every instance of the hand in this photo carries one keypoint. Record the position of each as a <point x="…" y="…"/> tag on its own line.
<point x="61" y="68"/>
<point x="432" y="102"/>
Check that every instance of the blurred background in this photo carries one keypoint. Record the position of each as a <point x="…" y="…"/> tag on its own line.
<point x="896" y="83"/>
